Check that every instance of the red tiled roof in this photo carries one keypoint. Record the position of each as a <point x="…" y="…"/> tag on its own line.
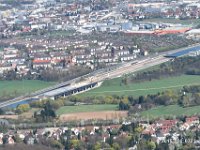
<point x="57" y="60"/>
<point x="171" y="31"/>
<point x="41" y="61"/>
<point x="190" y="119"/>
<point x="168" y="122"/>
<point x="147" y="131"/>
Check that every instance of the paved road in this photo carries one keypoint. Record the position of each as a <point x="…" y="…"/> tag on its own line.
<point x="98" y="76"/>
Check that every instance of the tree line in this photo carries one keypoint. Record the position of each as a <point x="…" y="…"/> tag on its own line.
<point x="178" y="66"/>
<point x="187" y="96"/>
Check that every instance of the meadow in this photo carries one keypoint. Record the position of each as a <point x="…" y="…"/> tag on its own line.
<point x="16" y="88"/>
<point x="116" y="87"/>
<point x="85" y="108"/>
<point x="171" y="110"/>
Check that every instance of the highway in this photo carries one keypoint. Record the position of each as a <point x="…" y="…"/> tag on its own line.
<point x="101" y="75"/>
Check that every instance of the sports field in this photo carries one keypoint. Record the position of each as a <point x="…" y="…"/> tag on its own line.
<point x="85" y="108"/>
<point x="171" y="110"/>
<point x="13" y="88"/>
<point x="115" y="87"/>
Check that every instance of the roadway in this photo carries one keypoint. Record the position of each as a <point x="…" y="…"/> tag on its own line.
<point x="99" y="76"/>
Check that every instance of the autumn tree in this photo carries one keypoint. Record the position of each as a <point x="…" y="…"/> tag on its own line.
<point x="22" y="108"/>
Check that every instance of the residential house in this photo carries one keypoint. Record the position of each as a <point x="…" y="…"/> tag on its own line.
<point x="189" y="122"/>
<point x="38" y="50"/>
<point x="17" y="60"/>
<point x="58" y="56"/>
<point x="6" y="67"/>
<point x="9" y="139"/>
<point x="2" y="26"/>
<point x="38" y="25"/>
<point x="10" y="53"/>
<point x="40" y="56"/>
<point x="193" y="119"/>
<point x="127" y="57"/>
<point x="56" y="134"/>
<point x="41" y="64"/>
<point x="29" y="139"/>
<point x="1" y="140"/>
<point x="22" y="67"/>
<point x="165" y="125"/>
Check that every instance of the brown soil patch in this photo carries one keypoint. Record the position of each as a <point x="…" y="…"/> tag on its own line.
<point x="23" y="116"/>
<point x="8" y="116"/>
<point x="94" y="115"/>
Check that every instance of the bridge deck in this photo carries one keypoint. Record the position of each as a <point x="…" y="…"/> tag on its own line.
<point x="184" y="52"/>
<point x="68" y="90"/>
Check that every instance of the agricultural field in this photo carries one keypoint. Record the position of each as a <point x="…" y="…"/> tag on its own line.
<point x="23" y="116"/>
<point x="116" y="87"/>
<point x="16" y="88"/>
<point x="104" y="115"/>
<point x="171" y="110"/>
<point x="85" y="108"/>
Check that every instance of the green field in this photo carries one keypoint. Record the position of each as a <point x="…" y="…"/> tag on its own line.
<point x="115" y="87"/>
<point x="15" y="88"/>
<point x="85" y="108"/>
<point x="171" y="110"/>
<point x="161" y="49"/>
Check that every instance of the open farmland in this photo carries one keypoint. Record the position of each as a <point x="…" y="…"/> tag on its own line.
<point x="16" y="88"/>
<point x="116" y="87"/>
<point x="105" y="115"/>
<point x="85" y="108"/>
<point x="86" y="112"/>
<point x="171" y="110"/>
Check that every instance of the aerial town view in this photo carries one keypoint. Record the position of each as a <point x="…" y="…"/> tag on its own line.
<point x="99" y="74"/>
